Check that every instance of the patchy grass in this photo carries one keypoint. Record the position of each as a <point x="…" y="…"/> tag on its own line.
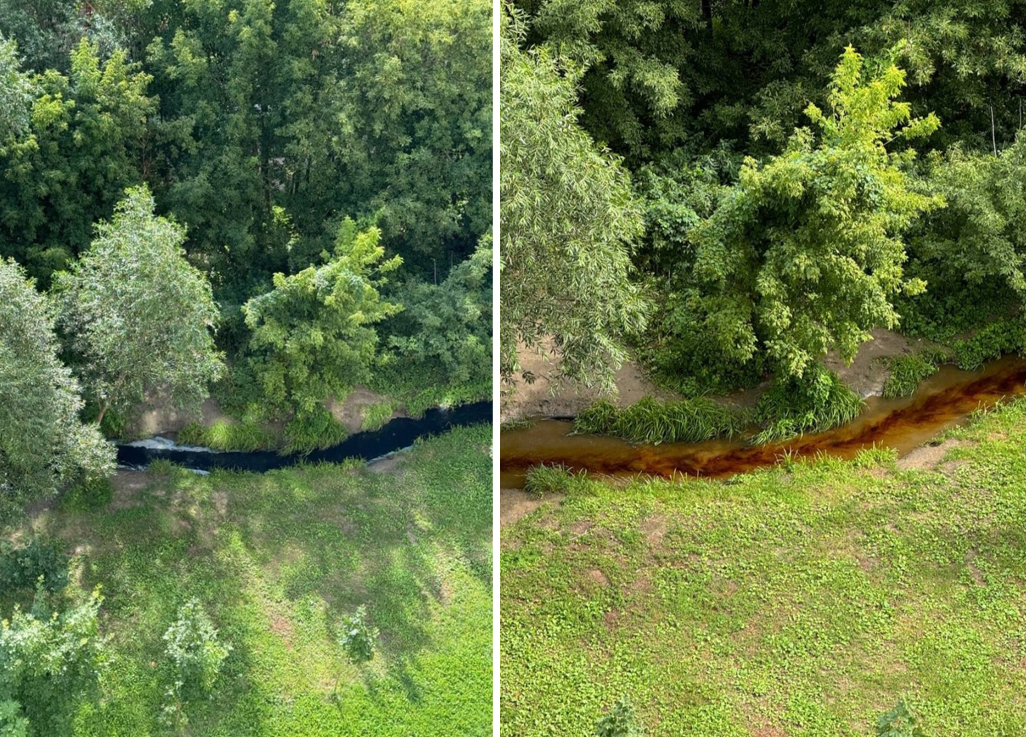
<point x="377" y="415"/>
<point x="226" y="435"/>
<point x="652" y="421"/>
<point x="278" y="560"/>
<point x="801" y="600"/>
<point x="553" y="480"/>
<point x="909" y="371"/>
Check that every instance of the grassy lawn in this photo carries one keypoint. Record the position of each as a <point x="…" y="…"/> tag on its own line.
<point x="277" y="560"/>
<point x="802" y="600"/>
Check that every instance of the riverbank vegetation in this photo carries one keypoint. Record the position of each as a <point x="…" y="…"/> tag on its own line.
<point x="807" y="598"/>
<point x="270" y="203"/>
<point x="218" y="605"/>
<point x="744" y="189"/>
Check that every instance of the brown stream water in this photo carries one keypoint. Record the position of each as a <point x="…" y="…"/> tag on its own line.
<point x="942" y="401"/>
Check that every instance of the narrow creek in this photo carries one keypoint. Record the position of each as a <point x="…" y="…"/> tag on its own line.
<point x="395" y="435"/>
<point x="944" y="400"/>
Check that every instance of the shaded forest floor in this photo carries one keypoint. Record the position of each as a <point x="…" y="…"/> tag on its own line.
<point x="277" y="560"/>
<point x="800" y="600"/>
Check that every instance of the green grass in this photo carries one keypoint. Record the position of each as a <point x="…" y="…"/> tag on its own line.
<point x="653" y="422"/>
<point x="377" y="415"/>
<point x="311" y="431"/>
<point x="278" y="560"/>
<point x="815" y="403"/>
<point x="801" y="601"/>
<point x="553" y="480"/>
<point x="225" y="435"/>
<point x="909" y="371"/>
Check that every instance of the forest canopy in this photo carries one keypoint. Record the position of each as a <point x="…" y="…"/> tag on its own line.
<point x="206" y="190"/>
<point x="805" y="173"/>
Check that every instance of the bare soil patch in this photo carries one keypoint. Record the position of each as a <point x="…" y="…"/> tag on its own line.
<point x="515" y="504"/>
<point x="128" y="486"/>
<point x="352" y="411"/>
<point x="926" y="457"/>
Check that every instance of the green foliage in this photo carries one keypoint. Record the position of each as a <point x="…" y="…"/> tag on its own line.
<point x="377" y="415"/>
<point x="992" y="341"/>
<point x="89" y="495"/>
<point x="137" y="315"/>
<point x="805" y="253"/>
<point x="39" y="563"/>
<point x="358" y="638"/>
<point x="621" y="721"/>
<point x="15" y="91"/>
<point x="195" y="656"/>
<point x="909" y="371"/>
<point x="49" y="665"/>
<point x="568" y="218"/>
<point x="79" y="154"/>
<point x="817" y="401"/>
<point x="652" y="422"/>
<point x="312" y="430"/>
<point x="898" y="722"/>
<point x="43" y="444"/>
<point x="553" y="479"/>
<point x="245" y="435"/>
<point x="445" y="330"/>
<point x="313" y="335"/>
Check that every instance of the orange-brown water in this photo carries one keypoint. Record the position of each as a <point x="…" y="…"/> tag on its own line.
<point x="944" y="400"/>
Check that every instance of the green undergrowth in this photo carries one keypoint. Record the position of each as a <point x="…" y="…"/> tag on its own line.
<point x="805" y="599"/>
<point x="278" y="561"/>
<point x="989" y="343"/>
<point x="377" y="415"/>
<point x="553" y="479"/>
<point x="817" y="402"/>
<point x="224" y="435"/>
<point x="652" y="421"/>
<point x="909" y="371"/>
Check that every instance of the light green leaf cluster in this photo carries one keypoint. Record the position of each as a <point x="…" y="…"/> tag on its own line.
<point x="313" y="335"/>
<point x="568" y="217"/>
<point x="805" y="254"/>
<point x="43" y="444"/>
<point x="138" y="316"/>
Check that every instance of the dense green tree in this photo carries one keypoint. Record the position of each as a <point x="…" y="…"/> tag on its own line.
<point x="138" y="317"/>
<point x="15" y="92"/>
<point x="444" y="330"/>
<point x="49" y="667"/>
<point x="313" y="335"/>
<point x="805" y="254"/>
<point x="568" y="218"/>
<point x="43" y="444"/>
<point x="84" y="146"/>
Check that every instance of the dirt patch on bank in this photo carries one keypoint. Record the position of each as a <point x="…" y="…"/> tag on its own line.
<point x="353" y="410"/>
<point x="515" y="504"/>
<point x="549" y="396"/>
<point x="926" y="457"/>
<point x="868" y="373"/>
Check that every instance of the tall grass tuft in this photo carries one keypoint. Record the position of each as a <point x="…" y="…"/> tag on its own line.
<point x="908" y="372"/>
<point x="816" y="402"/>
<point x="244" y="435"/>
<point x="653" y="422"/>
<point x="554" y="479"/>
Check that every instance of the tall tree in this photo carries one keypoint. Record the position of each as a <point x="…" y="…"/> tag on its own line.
<point x="43" y="444"/>
<point x="806" y="253"/>
<point x="15" y="93"/>
<point x="313" y="335"/>
<point x="138" y="316"/>
<point x="568" y="218"/>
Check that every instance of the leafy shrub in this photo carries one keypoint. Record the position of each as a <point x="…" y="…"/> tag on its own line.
<point x="358" y="638"/>
<point x="195" y="656"/>
<point x="817" y="401"/>
<point x="312" y="430"/>
<point x="908" y="372"/>
<point x="898" y="722"/>
<point x="377" y="415"/>
<point x="554" y="479"/>
<point x="654" y="422"/>
<point x="993" y="341"/>
<point x="21" y="568"/>
<point x="89" y="495"/>
<point x="49" y="667"/>
<point x="621" y="721"/>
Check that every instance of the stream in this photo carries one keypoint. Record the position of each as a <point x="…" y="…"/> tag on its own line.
<point x="944" y="400"/>
<point x="395" y="435"/>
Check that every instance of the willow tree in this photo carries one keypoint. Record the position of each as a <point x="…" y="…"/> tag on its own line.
<point x="568" y="219"/>
<point x="138" y="316"/>
<point x="805" y="254"/>
<point x="43" y="444"/>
